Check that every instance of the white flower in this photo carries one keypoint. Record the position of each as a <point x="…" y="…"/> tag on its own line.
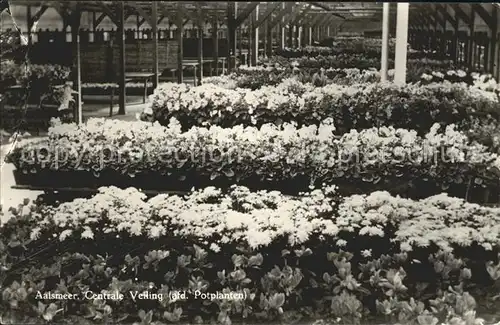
<point x="65" y="234"/>
<point x="366" y="253"/>
<point x="341" y="243"/>
<point x="35" y="233"/>
<point x="87" y="233"/>
<point x="214" y="247"/>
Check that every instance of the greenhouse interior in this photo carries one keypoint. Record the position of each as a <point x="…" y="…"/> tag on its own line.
<point x="319" y="163"/>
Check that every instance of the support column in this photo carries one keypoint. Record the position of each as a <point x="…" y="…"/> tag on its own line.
<point x="310" y="35"/>
<point x="494" y="55"/>
<point x="282" y="28"/>
<point x="401" y="43"/>
<point x="121" y="65"/>
<point x="297" y="36"/>
<point x="30" y="24"/>
<point x="471" y="39"/>
<point x="200" y="51"/>
<point x="456" y="44"/>
<point x="154" y="18"/>
<point x="215" y="41"/>
<point x="250" y="43"/>
<point x="231" y="34"/>
<point x="77" y="78"/>
<point x="255" y="36"/>
<point x="180" y="46"/>
<point x="269" y="38"/>
<point x="199" y="33"/>
<point x="385" y="42"/>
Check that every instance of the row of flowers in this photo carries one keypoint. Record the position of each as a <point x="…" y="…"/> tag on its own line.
<point x="343" y="60"/>
<point x="256" y="77"/>
<point x="27" y="74"/>
<point x="481" y="81"/>
<point x="216" y="256"/>
<point x="366" y="46"/>
<point x="351" y="107"/>
<point x="245" y="77"/>
<point x="258" y="219"/>
<point x="369" y="47"/>
<point x="415" y="68"/>
<point x="110" y="85"/>
<point x="270" y="156"/>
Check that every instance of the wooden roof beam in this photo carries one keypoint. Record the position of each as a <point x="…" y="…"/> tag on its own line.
<point x="293" y="15"/>
<point x="325" y="18"/>
<point x="461" y="14"/>
<point x="272" y="8"/>
<point x="39" y="13"/>
<point x="107" y="10"/>
<point x="301" y="16"/>
<point x="146" y="16"/>
<point x="290" y="9"/>
<point x="322" y="6"/>
<point x="444" y="12"/>
<point x="485" y="15"/>
<point x="246" y="12"/>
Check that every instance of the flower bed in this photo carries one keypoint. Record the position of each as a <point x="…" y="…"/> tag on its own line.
<point x="370" y="47"/>
<point x="290" y="159"/>
<point x="255" y="79"/>
<point x="351" y="107"/>
<point x="32" y="94"/>
<point x="115" y="85"/>
<point x="259" y="256"/>
<point x="415" y="67"/>
<point x="132" y="88"/>
<point x="26" y="74"/>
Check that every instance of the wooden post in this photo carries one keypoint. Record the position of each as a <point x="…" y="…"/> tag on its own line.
<point x="255" y="36"/>
<point x="401" y="43"/>
<point x="269" y="38"/>
<point x="154" y="18"/>
<point x="121" y="65"/>
<point x="77" y="80"/>
<point x="30" y="24"/>
<point x="471" y="39"/>
<point x="456" y="44"/>
<point x="282" y="28"/>
<point x="310" y="35"/>
<point x="494" y="55"/>
<point x="385" y="42"/>
<point x="180" y="47"/>
<point x="231" y="34"/>
<point x="200" y="43"/>
<point x="138" y="25"/>
<point x="251" y="41"/>
<point x="297" y="36"/>
<point x="240" y="43"/>
<point x="215" y="41"/>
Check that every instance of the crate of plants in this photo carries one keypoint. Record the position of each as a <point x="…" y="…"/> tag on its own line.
<point x="107" y="88"/>
<point x="259" y="257"/>
<point x="33" y="94"/>
<point x="286" y="158"/>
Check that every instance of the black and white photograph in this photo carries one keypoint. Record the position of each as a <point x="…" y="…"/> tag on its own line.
<point x="241" y="163"/>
